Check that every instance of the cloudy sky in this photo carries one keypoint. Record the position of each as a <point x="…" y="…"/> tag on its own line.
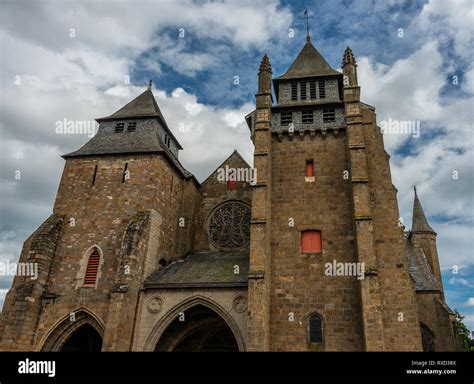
<point x="79" y="60"/>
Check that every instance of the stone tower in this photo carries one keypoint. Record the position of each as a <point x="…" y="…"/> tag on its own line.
<point x="324" y="198"/>
<point x="115" y="220"/>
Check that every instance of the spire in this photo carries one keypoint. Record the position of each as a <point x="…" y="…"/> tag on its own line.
<point x="265" y="65"/>
<point x="349" y="68"/>
<point x="348" y="58"/>
<point x="419" y="222"/>
<point x="143" y="105"/>
<point x="308" y="63"/>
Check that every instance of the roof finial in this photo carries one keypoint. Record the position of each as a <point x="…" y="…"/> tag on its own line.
<point x="306" y="17"/>
<point x="150" y="84"/>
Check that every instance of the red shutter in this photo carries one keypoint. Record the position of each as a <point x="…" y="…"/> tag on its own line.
<point x="232" y="185"/>
<point x="311" y="241"/>
<point x="309" y="169"/>
<point x="92" y="268"/>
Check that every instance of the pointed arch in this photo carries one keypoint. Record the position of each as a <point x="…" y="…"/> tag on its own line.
<point x="90" y="267"/>
<point x="64" y="328"/>
<point x="159" y="329"/>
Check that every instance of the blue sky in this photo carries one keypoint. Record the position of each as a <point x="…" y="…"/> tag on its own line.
<point x="82" y="61"/>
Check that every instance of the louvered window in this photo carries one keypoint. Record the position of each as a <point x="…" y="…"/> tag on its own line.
<point x="119" y="127"/>
<point x="311" y="241"/>
<point x="307" y="117"/>
<point x="294" y="91"/>
<point x="312" y="89"/>
<point x="92" y="268"/>
<point x="329" y="116"/>
<point x="303" y="90"/>
<point x="131" y="127"/>
<point x="286" y="118"/>
<point x="322" y="89"/>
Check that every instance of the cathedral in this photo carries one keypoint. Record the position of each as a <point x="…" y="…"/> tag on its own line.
<point x="138" y="255"/>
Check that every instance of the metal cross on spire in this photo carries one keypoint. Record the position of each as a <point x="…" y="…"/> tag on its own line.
<point x="306" y="17"/>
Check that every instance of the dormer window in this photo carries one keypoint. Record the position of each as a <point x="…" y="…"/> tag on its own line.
<point x="329" y="116"/>
<point x="132" y="127"/>
<point x="119" y="127"/>
<point x="307" y="117"/>
<point x="167" y="141"/>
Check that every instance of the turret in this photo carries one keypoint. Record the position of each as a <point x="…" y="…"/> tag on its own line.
<point x="422" y="235"/>
<point x="349" y="68"/>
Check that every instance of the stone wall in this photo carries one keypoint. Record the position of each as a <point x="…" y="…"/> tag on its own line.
<point x="215" y="192"/>
<point x="299" y="285"/>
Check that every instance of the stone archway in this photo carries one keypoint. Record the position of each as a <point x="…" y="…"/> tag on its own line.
<point x="82" y="332"/>
<point x="198" y="329"/>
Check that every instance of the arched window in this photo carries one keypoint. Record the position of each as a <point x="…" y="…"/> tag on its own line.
<point x="311" y="241"/>
<point x="315" y="329"/>
<point x="92" y="268"/>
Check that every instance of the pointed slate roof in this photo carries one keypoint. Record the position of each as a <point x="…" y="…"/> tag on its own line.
<point x="419" y="269"/>
<point x="143" y="105"/>
<point x="419" y="222"/>
<point x="308" y="63"/>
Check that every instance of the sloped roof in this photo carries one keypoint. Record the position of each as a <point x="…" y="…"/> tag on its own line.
<point x="419" y="269"/>
<point x="419" y="222"/>
<point x="204" y="269"/>
<point x="234" y="153"/>
<point x="308" y="63"/>
<point x="106" y="141"/>
<point x="144" y="105"/>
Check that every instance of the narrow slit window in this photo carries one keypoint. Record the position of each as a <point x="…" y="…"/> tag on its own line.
<point x="322" y="89"/>
<point x="286" y="118"/>
<point x="311" y="241"/>
<point x="132" y="127"/>
<point x="307" y="117"/>
<point x="329" y="116"/>
<point x="315" y="329"/>
<point x="294" y="91"/>
<point x="309" y="168"/>
<point x="92" y="268"/>
<point x="119" y="127"/>
<point x="95" y="174"/>
<point x="167" y="141"/>
<point x="126" y="173"/>
<point x="303" y="90"/>
<point x="312" y="89"/>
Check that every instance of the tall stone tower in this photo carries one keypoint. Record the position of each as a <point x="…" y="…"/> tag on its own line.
<point x="115" y="221"/>
<point x="324" y="206"/>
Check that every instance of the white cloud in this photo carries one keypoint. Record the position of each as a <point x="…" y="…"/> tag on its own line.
<point x="470" y="301"/>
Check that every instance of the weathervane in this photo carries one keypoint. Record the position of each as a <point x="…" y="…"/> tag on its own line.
<point x="306" y="17"/>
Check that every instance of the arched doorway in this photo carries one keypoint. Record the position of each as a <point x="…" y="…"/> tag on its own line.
<point x="198" y="329"/>
<point x="84" y="339"/>
<point x="82" y="332"/>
